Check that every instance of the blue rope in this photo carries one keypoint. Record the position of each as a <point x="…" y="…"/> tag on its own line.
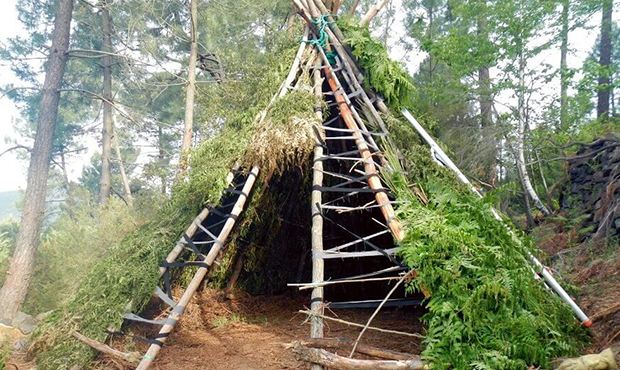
<point x="322" y="23"/>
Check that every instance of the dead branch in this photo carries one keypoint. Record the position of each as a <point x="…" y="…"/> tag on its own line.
<point x="353" y="7"/>
<point x="345" y="345"/>
<point x="14" y="148"/>
<point x="333" y="361"/>
<point x="606" y="312"/>
<point x="349" y="323"/>
<point x="576" y="157"/>
<point x="403" y="278"/>
<point x="132" y="358"/>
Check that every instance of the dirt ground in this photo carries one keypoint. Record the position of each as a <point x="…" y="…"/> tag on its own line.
<point x="252" y="332"/>
<point x="594" y="269"/>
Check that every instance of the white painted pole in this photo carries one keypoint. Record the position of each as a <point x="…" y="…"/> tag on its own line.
<point x="542" y="270"/>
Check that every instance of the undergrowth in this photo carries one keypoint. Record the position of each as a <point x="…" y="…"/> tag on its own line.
<point x="485" y="310"/>
<point x="79" y="238"/>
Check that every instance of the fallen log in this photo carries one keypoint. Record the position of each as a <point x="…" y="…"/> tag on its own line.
<point x="132" y="358"/>
<point x="333" y="361"/>
<point x="365" y="349"/>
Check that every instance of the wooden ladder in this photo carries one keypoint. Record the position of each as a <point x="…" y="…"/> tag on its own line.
<point x="199" y="246"/>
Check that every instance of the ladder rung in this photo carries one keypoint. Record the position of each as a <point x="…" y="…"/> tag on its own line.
<point x="390" y="252"/>
<point x="374" y="303"/>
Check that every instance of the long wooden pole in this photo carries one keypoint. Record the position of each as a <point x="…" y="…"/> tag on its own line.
<point x="334" y="361"/>
<point x="316" y="305"/>
<point x="374" y="181"/>
<point x="201" y="273"/>
<point x="191" y="229"/>
<point x="540" y="268"/>
<point x="365" y="349"/>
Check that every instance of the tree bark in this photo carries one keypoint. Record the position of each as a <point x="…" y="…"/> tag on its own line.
<point x="124" y="177"/>
<point x="564" y="66"/>
<point x="105" y="180"/>
<point x="353" y="7"/>
<point x="604" y="80"/>
<point x="15" y="287"/>
<point x="190" y="92"/>
<point x="485" y="100"/>
<point x="520" y="142"/>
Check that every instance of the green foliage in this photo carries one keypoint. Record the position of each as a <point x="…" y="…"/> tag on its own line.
<point x="126" y="277"/>
<point x="386" y="76"/>
<point x="80" y="238"/>
<point x="5" y="352"/>
<point x="124" y="280"/>
<point x="485" y="309"/>
<point x="5" y="253"/>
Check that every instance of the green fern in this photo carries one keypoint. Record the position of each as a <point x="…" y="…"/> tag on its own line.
<point x="485" y="310"/>
<point x="386" y="76"/>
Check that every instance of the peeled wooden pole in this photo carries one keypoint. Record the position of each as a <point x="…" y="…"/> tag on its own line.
<point x="316" y="303"/>
<point x="339" y="37"/>
<point x="334" y="361"/>
<point x="201" y="273"/>
<point x="374" y="181"/>
<point x="540" y="268"/>
<point x="191" y="229"/>
<point x="345" y="345"/>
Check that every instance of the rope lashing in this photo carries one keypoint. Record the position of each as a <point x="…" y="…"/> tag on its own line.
<point x="321" y="23"/>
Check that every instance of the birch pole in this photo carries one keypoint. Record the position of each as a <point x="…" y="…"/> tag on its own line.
<point x="190" y="92"/>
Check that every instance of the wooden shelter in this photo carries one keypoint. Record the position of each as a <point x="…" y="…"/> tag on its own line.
<point x="354" y="230"/>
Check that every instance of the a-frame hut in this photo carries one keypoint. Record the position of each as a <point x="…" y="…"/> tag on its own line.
<point x="346" y="189"/>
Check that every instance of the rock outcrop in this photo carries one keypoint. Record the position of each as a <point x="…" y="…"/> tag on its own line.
<point x="594" y="188"/>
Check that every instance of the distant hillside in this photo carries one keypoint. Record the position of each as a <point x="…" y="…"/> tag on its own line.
<point x="8" y="199"/>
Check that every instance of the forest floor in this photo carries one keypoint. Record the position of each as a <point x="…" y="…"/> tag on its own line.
<point x="252" y="332"/>
<point x="594" y="270"/>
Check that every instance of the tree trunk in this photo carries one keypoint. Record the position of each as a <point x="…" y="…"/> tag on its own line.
<point x="186" y="144"/>
<point x="388" y="25"/>
<point x="353" y="7"/>
<point x="121" y="166"/>
<point x="161" y="156"/>
<point x="604" y="80"/>
<point x="485" y="100"/>
<point x="564" y="79"/>
<point x="15" y="287"/>
<point x="520" y="142"/>
<point x="372" y="12"/>
<point x="105" y="181"/>
<point x="63" y="164"/>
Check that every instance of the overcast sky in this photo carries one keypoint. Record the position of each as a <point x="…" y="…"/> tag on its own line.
<point x="13" y="171"/>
